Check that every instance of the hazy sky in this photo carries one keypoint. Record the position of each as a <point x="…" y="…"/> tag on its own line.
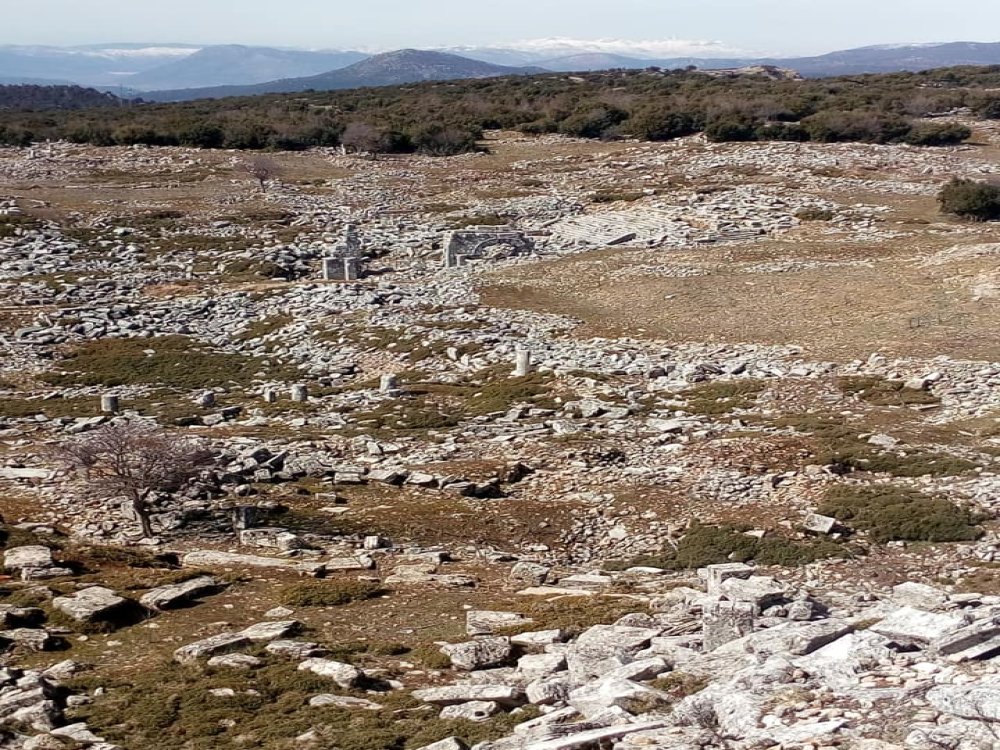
<point x="759" y="26"/>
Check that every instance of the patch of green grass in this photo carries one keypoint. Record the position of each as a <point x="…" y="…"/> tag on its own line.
<point x="839" y="444"/>
<point x="10" y="224"/>
<point x="722" y="397"/>
<point x="573" y="615"/>
<point x="881" y="392"/>
<point x="330" y="593"/>
<point x="479" y="220"/>
<point x="713" y="545"/>
<point x="168" y="361"/>
<point x="889" y="513"/>
<point x="170" y="708"/>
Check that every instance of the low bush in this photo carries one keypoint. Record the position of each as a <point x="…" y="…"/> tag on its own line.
<point x="713" y="545"/>
<point x="970" y="199"/>
<point x="889" y="513"/>
<point x="722" y="397"/>
<point x="330" y="593"/>
<point x="937" y="134"/>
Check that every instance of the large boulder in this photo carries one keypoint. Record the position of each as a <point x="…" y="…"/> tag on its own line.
<point x="479" y="654"/>
<point x="93" y="604"/>
<point x="177" y="594"/>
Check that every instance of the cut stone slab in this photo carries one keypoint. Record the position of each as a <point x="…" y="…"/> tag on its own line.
<point x="90" y="605"/>
<point x="550" y="691"/>
<point x="270" y="631"/>
<point x="594" y="737"/>
<point x="241" y="662"/>
<point x="537" y="638"/>
<point x="596" y="697"/>
<point x="34" y="639"/>
<point x="797" y="638"/>
<point x="472" y="711"/>
<point x="761" y="591"/>
<point x="602" y="648"/>
<point x="723" y="622"/>
<point x="209" y="646"/>
<point x="478" y="654"/>
<point x="974" y="702"/>
<point x="453" y="694"/>
<point x="918" y="595"/>
<point x="177" y="594"/>
<point x="344" y="675"/>
<point x="539" y="666"/>
<point x="295" y="649"/>
<point x="715" y="575"/>
<point x="908" y="626"/>
<point x="31" y="556"/>
<point x="213" y="559"/>
<point x="343" y="701"/>
<point x="980" y="640"/>
<point x="483" y="622"/>
<point x="818" y="524"/>
<point x="449" y="743"/>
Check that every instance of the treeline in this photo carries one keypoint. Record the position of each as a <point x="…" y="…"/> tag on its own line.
<point x="25" y="98"/>
<point x="447" y="117"/>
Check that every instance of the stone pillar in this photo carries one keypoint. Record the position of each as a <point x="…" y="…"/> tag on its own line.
<point x="270" y="396"/>
<point x="352" y="269"/>
<point x="389" y="383"/>
<point x="110" y="404"/>
<point x="522" y="366"/>
<point x="723" y="622"/>
<point x="244" y="517"/>
<point x="331" y="269"/>
<point x="300" y="393"/>
<point x="206" y="399"/>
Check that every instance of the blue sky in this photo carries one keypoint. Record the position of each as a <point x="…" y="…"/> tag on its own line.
<point x="754" y="26"/>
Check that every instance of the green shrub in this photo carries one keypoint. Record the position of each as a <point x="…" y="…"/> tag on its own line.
<point x="890" y="513"/>
<point x="330" y="593"/>
<point x="814" y="213"/>
<point x="731" y="127"/>
<point x="722" y="396"/>
<point x="856" y="126"/>
<point x="713" y="545"/>
<point x="937" y="134"/>
<point x="970" y="199"/>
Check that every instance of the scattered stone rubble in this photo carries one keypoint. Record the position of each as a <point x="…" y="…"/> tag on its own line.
<point x="738" y="661"/>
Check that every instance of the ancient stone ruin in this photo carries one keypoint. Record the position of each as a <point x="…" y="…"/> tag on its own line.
<point x="485" y="243"/>
<point x="344" y="263"/>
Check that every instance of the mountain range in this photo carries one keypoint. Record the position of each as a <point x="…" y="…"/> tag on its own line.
<point x="387" y="69"/>
<point x="179" y="71"/>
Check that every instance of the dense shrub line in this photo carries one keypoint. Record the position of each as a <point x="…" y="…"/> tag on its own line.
<point x="447" y="117"/>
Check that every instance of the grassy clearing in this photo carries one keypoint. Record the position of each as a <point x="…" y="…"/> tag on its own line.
<point x="168" y="361"/>
<point x="573" y="615"/>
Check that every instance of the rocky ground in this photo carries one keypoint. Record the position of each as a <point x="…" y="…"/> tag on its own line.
<point x="731" y="482"/>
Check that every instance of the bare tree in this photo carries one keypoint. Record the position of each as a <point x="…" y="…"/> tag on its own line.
<point x="132" y="461"/>
<point x="364" y="138"/>
<point x="262" y="169"/>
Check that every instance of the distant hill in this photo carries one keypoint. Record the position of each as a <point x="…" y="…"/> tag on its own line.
<point x="889" y="59"/>
<point x="93" y="65"/>
<point x="881" y="59"/>
<point x="389" y="69"/>
<point x="34" y="98"/>
<point x="234" y="64"/>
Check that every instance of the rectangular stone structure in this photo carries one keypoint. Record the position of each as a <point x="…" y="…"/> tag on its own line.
<point x="723" y="622"/>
